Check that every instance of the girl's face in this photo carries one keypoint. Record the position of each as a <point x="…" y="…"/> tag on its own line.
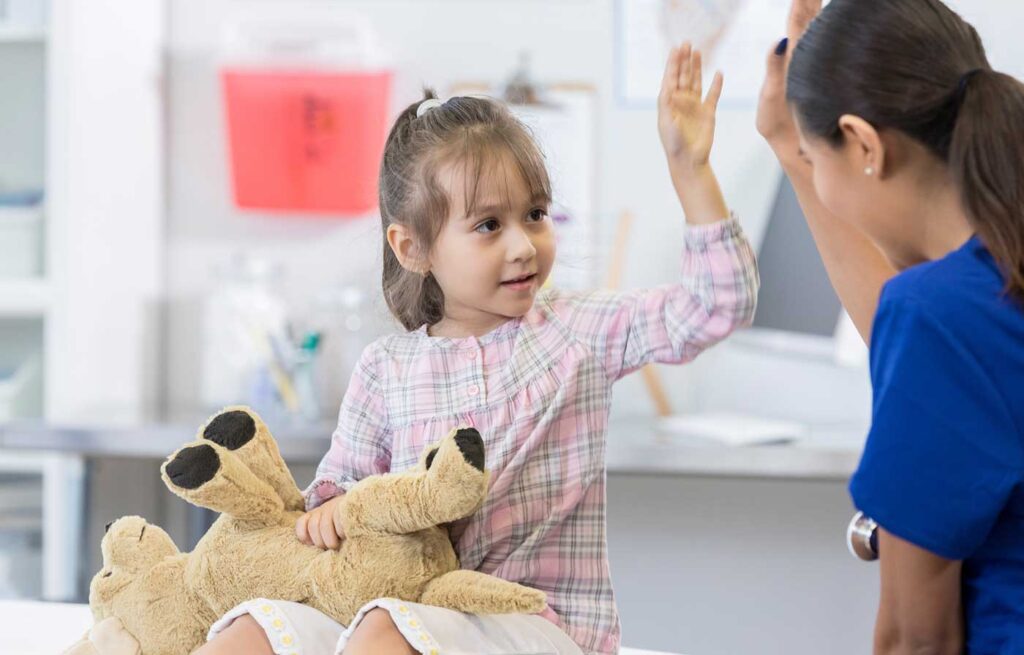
<point x="491" y="259"/>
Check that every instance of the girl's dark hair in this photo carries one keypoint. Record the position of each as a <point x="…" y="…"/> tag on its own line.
<point x="471" y="132"/>
<point x="917" y="67"/>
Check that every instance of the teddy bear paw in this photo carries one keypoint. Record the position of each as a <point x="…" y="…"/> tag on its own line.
<point x="111" y="638"/>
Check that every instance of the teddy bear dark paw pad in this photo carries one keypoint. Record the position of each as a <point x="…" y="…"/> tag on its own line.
<point x="471" y="444"/>
<point x="193" y="467"/>
<point x="231" y="429"/>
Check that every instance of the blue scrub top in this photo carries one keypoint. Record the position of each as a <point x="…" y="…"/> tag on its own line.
<point x="943" y="467"/>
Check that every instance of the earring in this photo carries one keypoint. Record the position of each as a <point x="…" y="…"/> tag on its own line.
<point x="869" y="171"/>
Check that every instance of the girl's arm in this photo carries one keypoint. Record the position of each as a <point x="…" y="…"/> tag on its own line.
<point x="855" y="266"/>
<point x="359" y="448"/>
<point x="920" y="610"/>
<point x="718" y="291"/>
<point x="686" y="125"/>
<point x="672" y="323"/>
<point x="359" y="445"/>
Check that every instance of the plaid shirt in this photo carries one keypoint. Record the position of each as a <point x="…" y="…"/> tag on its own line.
<point x="538" y="388"/>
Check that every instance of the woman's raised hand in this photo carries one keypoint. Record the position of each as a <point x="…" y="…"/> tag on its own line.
<point x="774" y="119"/>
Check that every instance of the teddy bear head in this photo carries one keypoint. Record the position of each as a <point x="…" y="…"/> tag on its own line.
<point x="131" y="547"/>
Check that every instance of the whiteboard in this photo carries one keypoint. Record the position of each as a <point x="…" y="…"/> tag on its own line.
<point x="734" y="35"/>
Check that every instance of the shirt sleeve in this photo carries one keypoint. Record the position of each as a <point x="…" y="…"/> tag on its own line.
<point x="943" y="456"/>
<point x="717" y="294"/>
<point x="360" y="445"/>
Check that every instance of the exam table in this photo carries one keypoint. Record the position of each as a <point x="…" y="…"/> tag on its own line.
<point x="38" y="628"/>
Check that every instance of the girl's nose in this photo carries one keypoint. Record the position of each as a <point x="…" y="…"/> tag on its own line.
<point x="520" y="247"/>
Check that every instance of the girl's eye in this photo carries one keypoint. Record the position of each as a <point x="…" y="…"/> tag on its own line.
<point x="539" y="214"/>
<point x="488" y="226"/>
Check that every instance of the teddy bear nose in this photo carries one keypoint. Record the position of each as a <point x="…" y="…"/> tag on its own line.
<point x="106" y="528"/>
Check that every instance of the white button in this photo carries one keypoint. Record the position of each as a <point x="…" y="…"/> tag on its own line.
<point x="473" y="390"/>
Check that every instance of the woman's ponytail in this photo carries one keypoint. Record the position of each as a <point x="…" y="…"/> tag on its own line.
<point x="986" y="157"/>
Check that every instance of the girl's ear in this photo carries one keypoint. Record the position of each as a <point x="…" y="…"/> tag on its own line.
<point x="865" y="145"/>
<point x="403" y="244"/>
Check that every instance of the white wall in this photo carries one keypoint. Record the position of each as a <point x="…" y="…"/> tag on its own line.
<point x="437" y="43"/>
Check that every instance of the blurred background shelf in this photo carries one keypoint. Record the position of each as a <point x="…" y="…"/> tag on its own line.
<point x="22" y="35"/>
<point x="24" y="298"/>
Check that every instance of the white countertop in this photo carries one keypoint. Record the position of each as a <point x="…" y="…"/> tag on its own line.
<point x="827" y="452"/>
<point x="635" y="446"/>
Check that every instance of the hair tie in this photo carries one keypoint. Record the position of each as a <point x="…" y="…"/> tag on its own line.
<point x="965" y="79"/>
<point x="427" y="105"/>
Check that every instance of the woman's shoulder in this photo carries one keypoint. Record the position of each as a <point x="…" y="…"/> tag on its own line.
<point x="961" y="297"/>
<point x="966" y="277"/>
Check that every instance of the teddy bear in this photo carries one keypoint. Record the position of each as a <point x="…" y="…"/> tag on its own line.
<point x="395" y="545"/>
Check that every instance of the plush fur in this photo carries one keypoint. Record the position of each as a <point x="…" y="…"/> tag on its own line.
<point x="394" y="546"/>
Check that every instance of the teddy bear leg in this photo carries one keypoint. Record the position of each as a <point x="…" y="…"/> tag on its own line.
<point x="108" y="637"/>
<point x="111" y="638"/>
<point x="208" y="475"/>
<point x="452" y="487"/>
<point x="478" y="593"/>
<point x="82" y="647"/>
<point x="243" y="432"/>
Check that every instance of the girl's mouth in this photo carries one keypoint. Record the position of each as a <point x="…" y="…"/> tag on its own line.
<point x="519" y="283"/>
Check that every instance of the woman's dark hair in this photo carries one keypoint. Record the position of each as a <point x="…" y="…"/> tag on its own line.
<point x="917" y="67"/>
<point x="473" y="132"/>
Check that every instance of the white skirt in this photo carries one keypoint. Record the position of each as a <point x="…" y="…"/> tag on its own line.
<point x="296" y="629"/>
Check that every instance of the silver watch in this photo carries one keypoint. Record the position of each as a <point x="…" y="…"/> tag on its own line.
<point x="861" y="537"/>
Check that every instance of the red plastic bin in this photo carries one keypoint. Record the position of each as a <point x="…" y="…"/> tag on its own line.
<point x="306" y="141"/>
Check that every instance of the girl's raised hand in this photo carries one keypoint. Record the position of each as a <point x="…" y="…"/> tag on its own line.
<point x="686" y="120"/>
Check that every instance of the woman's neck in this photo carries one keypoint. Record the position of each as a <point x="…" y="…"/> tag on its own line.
<point x="946" y="224"/>
<point x="934" y="221"/>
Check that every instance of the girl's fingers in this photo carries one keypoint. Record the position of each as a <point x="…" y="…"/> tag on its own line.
<point x="685" y="68"/>
<point x="300" y="529"/>
<point x="314" y="530"/>
<point x="328" y="535"/>
<point x="697" y="64"/>
<point x="671" y="78"/>
<point x="715" y="92"/>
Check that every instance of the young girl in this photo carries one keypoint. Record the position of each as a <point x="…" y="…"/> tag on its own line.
<point x="468" y="244"/>
<point x="907" y="151"/>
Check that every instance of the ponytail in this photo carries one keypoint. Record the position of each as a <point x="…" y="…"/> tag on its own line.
<point x="986" y="157"/>
<point x="413" y="299"/>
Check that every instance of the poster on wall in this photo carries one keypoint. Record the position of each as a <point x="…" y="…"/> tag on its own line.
<point x="734" y="36"/>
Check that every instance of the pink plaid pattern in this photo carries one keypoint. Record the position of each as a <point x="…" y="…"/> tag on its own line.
<point x="538" y="388"/>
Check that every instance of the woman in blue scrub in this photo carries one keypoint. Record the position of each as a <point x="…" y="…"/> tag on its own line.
<point x="907" y="153"/>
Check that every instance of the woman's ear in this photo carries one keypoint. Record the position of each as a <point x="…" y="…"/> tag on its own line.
<point x="865" y="145"/>
<point x="403" y="244"/>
